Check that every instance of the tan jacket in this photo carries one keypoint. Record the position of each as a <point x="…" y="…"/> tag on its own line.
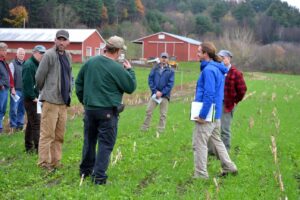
<point x="48" y="77"/>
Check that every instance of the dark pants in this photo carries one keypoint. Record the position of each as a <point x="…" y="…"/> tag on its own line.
<point x="32" y="132"/>
<point x="99" y="126"/>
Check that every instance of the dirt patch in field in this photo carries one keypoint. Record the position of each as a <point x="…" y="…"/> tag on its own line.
<point x="147" y="180"/>
<point x="182" y="187"/>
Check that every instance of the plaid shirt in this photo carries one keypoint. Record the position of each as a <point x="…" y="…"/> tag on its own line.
<point x="235" y="88"/>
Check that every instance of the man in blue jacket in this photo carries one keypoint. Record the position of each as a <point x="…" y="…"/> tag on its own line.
<point x="161" y="82"/>
<point x="210" y="90"/>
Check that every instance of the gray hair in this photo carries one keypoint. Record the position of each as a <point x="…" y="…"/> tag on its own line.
<point x="19" y="50"/>
<point x="3" y="45"/>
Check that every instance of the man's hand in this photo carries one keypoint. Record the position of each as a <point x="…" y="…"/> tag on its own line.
<point x="13" y="91"/>
<point x="35" y="100"/>
<point x="200" y="121"/>
<point x="158" y="94"/>
<point x="2" y="87"/>
<point x="127" y="64"/>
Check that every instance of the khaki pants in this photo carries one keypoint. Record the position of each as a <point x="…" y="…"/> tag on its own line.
<point x="163" y="114"/>
<point x="53" y="123"/>
<point x="203" y="133"/>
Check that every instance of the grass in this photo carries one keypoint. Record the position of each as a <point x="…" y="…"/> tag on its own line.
<point x="162" y="167"/>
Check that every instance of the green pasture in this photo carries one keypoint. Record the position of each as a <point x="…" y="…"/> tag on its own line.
<point x="153" y="166"/>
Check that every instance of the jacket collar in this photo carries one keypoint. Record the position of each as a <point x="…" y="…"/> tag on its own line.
<point x="35" y="60"/>
<point x="203" y="64"/>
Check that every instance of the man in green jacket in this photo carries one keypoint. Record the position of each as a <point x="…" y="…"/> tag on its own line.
<point x="31" y="93"/>
<point x="100" y="85"/>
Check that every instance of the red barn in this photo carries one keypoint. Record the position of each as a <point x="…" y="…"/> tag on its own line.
<point x="185" y="49"/>
<point x="84" y="43"/>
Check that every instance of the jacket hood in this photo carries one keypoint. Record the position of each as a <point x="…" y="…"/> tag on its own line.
<point x="220" y="66"/>
<point x="203" y="64"/>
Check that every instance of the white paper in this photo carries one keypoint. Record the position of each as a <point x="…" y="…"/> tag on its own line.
<point x="196" y="108"/>
<point x="155" y="99"/>
<point x="15" y="97"/>
<point x="39" y="107"/>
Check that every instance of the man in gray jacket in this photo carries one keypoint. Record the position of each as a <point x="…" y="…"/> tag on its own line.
<point x="53" y="79"/>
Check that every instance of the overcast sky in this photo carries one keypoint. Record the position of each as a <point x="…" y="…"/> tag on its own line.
<point x="295" y="3"/>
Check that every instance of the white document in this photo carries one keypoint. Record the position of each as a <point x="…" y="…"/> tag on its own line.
<point x="155" y="99"/>
<point x="15" y="97"/>
<point x="39" y="107"/>
<point x="196" y="108"/>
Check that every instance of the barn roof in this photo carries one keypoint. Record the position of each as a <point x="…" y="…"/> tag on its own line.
<point x="185" y="39"/>
<point x="42" y="35"/>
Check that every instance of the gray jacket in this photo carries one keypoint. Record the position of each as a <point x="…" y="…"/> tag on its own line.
<point x="48" y="77"/>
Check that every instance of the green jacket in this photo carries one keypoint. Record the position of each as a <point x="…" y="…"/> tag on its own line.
<point x="28" y="78"/>
<point x="101" y="82"/>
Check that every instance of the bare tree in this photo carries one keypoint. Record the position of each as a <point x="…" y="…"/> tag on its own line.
<point x="185" y="21"/>
<point x="65" y="17"/>
<point x="241" y="42"/>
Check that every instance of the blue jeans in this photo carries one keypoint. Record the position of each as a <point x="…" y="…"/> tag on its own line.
<point x="17" y="111"/>
<point x="99" y="126"/>
<point x="3" y="104"/>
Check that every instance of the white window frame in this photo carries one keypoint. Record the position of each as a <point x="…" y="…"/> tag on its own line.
<point x="88" y="50"/>
<point x="97" y="51"/>
<point x="161" y="36"/>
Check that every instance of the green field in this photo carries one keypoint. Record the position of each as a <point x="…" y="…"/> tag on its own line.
<point x="152" y="167"/>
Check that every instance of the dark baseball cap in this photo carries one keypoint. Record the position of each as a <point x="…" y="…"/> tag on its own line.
<point x="63" y="34"/>
<point x="164" y="54"/>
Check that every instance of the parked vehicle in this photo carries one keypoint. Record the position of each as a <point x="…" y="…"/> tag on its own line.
<point x="173" y="63"/>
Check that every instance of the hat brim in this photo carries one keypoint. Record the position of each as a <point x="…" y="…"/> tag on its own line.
<point x="61" y="36"/>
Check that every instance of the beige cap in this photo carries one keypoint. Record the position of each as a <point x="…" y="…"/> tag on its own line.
<point x="116" y="42"/>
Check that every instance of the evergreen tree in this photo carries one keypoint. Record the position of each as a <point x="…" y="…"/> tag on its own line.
<point x="203" y="24"/>
<point x="244" y="14"/>
<point x="260" y="5"/>
<point x="111" y="10"/>
<point x="4" y="12"/>
<point x="219" y="10"/>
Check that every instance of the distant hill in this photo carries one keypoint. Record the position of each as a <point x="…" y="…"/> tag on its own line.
<point x="270" y="20"/>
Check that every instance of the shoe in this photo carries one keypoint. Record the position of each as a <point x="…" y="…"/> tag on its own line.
<point x="103" y="182"/>
<point x="160" y="130"/>
<point x="84" y="174"/>
<point x="99" y="181"/>
<point x="20" y="128"/>
<point x="200" y="176"/>
<point x="48" y="168"/>
<point x="58" y="166"/>
<point x="12" y="130"/>
<point x="225" y="173"/>
<point x="144" y="129"/>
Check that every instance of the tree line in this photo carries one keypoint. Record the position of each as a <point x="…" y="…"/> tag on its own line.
<point x="270" y="20"/>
